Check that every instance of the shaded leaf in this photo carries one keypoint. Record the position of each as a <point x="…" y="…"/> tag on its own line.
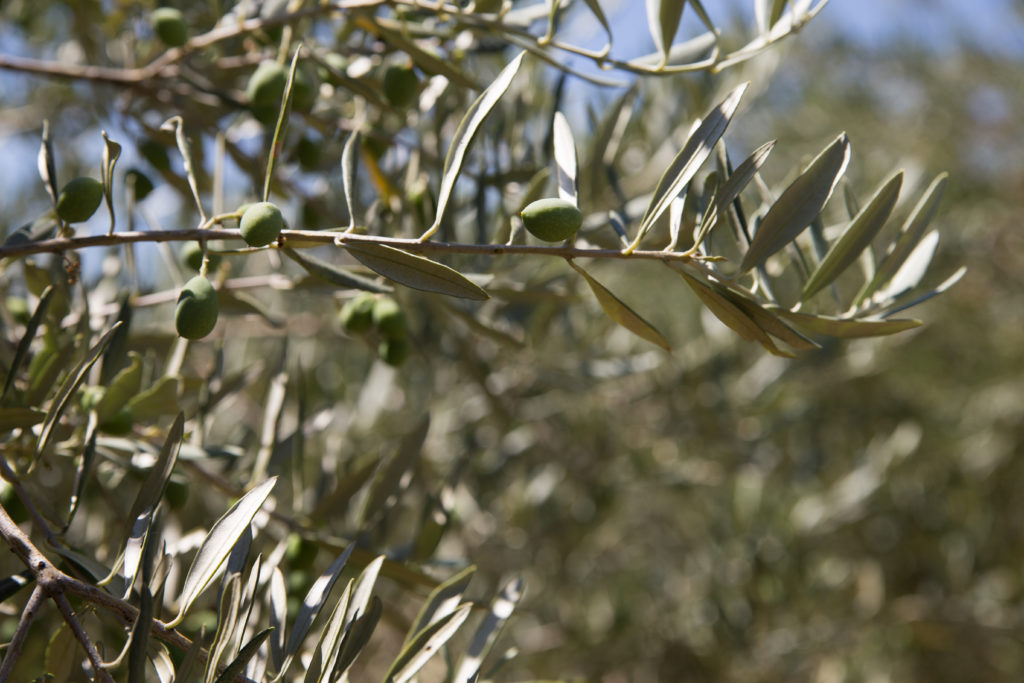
<point x="121" y="389"/>
<point x="68" y="388"/>
<point x="857" y="237"/>
<point x="334" y="274"/>
<point x="158" y="400"/>
<point x="19" y="418"/>
<point x="392" y="476"/>
<point x="846" y="328"/>
<point x="464" y="136"/>
<point x="663" y="18"/>
<point x="689" y="160"/>
<point x="415" y="271"/>
<point x="218" y="544"/>
<point x="313" y="603"/>
<point x="799" y="204"/>
<point x="248" y="651"/>
<point x="358" y="635"/>
<point x="441" y="602"/>
<point x="913" y="270"/>
<point x="45" y="164"/>
<point x="946" y="284"/>
<point x="622" y="314"/>
<point x="348" y="176"/>
<point x="111" y="153"/>
<point x="21" y="352"/>
<point x="733" y="186"/>
<point x="329" y="647"/>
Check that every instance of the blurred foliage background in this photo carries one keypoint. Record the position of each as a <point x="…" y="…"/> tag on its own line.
<point x="718" y="513"/>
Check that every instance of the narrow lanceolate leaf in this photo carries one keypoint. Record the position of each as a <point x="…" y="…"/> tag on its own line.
<point x="348" y="176"/>
<point x="946" y="284"/>
<point x="218" y="544"/>
<point x="152" y="488"/>
<point x="799" y="204"/>
<point x="415" y="271"/>
<point x="314" y="601"/>
<point x="565" y="159"/>
<point x="19" y="418"/>
<point x="176" y="124"/>
<point x="25" y="342"/>
<point x="441" y="602"/>
<point x="47" y="167"/>
<point x="139" y="638"/>
<point x="331" y="638"/>
<point x="846" y="328"/>
<point x="247" y="652"/>
<point x="111" y="153"/>
<point x="334" y="274"/>
<point x="483" y="640"/>
<point x="595" y="7"/>
<point x="913" y="269"/>
<point x="689" y="160"/>
<point x="731" y="315"/>
<point x="663" y="18"/>
<point x="357" y="637"/>
<point x="395" y="474"/>
<point x="910" y="234"/>
<point x="68" y="388"/>
<point x="425" y="645"/>
<point x="856" y="238"/>
<point x="464" y="137"/>
<point x="121" y="389"/>
<point x="732" y="188"/>
<point x="618" y="311"/>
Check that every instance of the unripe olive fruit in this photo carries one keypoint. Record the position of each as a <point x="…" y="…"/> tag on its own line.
<point x="356" y="316"/>
<point x="552" y="219"/>
<point x="304" y="90"/>
<point x="176" y="493"/>
<point x="169" y="26"/>
<point x="196" y="313"/>
<point x="301" y="552"/>
<point x="261" y="224"/>
<point x="400" y="86"/>
<point x="120" y="424"/>
<point x="156" y="154"/>
<point x="192" y="256"/>
<point x="265" y="88"/>
<point x="388" y="317"/>
<point x="138" y="180"/>
<point x="393" y="350"/>
<point x="79" y="199"/>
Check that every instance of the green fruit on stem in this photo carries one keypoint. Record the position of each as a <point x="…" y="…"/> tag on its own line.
<point x="196" y="313"/>
<point x="265" y="89"/>
<point x="139" y="182"/>
<point x="79" y="199"/>
<point x="393" y="350"/>
<point x="192" y="256"/>
<point x="552" y="219"/>
<point x="261" y="224"/>
<point x="400" y="86"/>
<point x="301" y="552"/>
<point x="388" y="317"/>
<point x="169" y="26"/>
<point x="356" y="316"/>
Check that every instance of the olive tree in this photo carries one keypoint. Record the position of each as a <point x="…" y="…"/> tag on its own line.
<point x="277" y="317"/>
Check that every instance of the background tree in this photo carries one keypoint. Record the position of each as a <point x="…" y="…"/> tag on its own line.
<point x="714" y="513"/>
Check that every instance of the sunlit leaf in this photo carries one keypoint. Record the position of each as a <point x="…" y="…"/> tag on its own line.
<point x="733" y="186"/>
<point x="487" y="632"/>
<point x="425" y="645"/>
<point x="121" y="389"/>
<point x="314" y="602"/>
<point x="689" y="160"/>
<point x="663" y="17"/>
<point x="799" y="204"/>
<point x="441" y="602"/>
<point x="415" y="271"/>
<point x="218" y="544"/>
<point x="913" y="270"/>
<point x="565" y="159"/>
<point x="464" y="137"/>
<point x="348" y="176"/>
<point x="45" y="164"/>
<point x="856" y="238"/>
<point x="622" y="313"/>
<point x="111" y="153"/>
<point x="247" y="652"/>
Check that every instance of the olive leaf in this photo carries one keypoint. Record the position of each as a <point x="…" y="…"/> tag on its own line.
<point x="441" y="602"/>
<point x="247" y="652"/>
<point x="348" y="176"/>
<point x="45" y="164"/>
<point x="414" y="271"/>
<point x="663" y="17"/>
<point x="218" y="544"/>
<point x="845" y="328"/>
<point x="282" y="121"/>
<point x="121" y="389"/>
<point x="799" y="204"/>
<point x="487" y="632"/>
<point x="565" y="159"/>
<point x="946" y="284"/>
<point x="334" y="274"/>
<point x="909" y="236"/>
<point x="733" y="186"/>
<point x="111" y="153"/>
<point x="599" y="14"/>
<point x="177" y="124"/>
<point x="312" y="604"/>
<point x="689" y="160"/>
<point x="392" y="476"/>
<point x="913" y="270"/>
<point x="464" y="137"/>
<point x="21" y="352"/>
<point x="19" y="418"/>
<point x="425" y="644"/>
<point x="856" y="238"/>
<point x="621" y="313"/>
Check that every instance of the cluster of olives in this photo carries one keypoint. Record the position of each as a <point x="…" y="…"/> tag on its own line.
<point x="370" y="312"/>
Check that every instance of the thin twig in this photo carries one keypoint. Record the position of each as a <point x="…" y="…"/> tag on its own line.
<point x="28" y="615"/>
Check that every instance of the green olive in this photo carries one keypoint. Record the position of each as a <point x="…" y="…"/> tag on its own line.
<point x="393" y="350"/>
<point x="120" y="424"/>
<point x="356" y="316"/>
<point x="265" y="89"/>
<point x="196" y="313"/>
<point x="140" y="183"/>
<point x="400" y="86"/>
<point x="169" y="26"/>
<point x="304" y="90"/>
<point x="261" y="224"/>
<point x="79" y="199"/>
<point x="388" y="317"/>
<point x="156" y="154"/>
<point x="176" y="493"/>
<point x="192" y="256"/>
<point x="301" y="552"/>
<point x="552" y="220"/>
